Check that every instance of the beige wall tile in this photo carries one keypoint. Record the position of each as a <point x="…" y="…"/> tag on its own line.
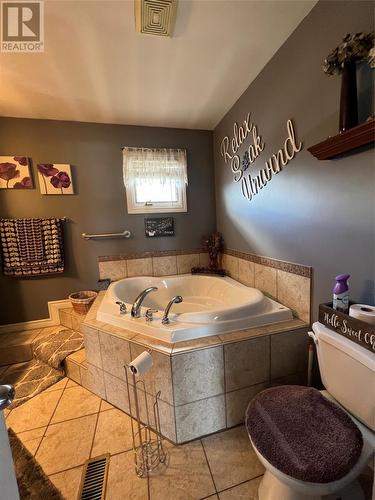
<point x="72" y="370"/>
<point x="237" y="401"/>
<point x="92" y="346"/>
<point x="115" y="353"/>
<point x="166" y="412"/>
<point x="230" y="264"/>
<point x="294" y="292"/>
<point x="191" y="369"/>
<point x="265" y="279"/>
<point x="139" y="267"/>
<point x="164" y="266"/>
<point x="204" y="259"/>
<point x="185" y="476"/>
<point x="113" y="270"/>
<point x="116" y="392"/>
<point x="246" y="272"/>
<point x="289" y="352"/>
<point x="77" y="320"/>
<point x="200" y="418"/>
<point x="65" y="316"/>
<point x="247" y="363"/>
<point x="66" y="444"/>
<point x="92" y="378"/>
<point x="186" y="262"/>
<point x="159" y="377"/>
<point x="231" y="457"/>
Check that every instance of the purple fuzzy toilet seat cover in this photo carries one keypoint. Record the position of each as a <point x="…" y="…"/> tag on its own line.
<point x="303" y="434"/>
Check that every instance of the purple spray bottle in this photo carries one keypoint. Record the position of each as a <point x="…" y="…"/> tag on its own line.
<point x="341" y="293"/>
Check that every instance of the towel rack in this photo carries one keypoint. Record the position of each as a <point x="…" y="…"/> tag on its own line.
<point x="124" y="234"/>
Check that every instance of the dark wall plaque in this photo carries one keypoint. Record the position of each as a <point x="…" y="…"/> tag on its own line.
<point x="159" y="226"/>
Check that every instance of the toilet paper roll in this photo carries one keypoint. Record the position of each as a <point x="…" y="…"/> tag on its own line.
<point x="141" y="364"/>
<point x="363" y="312"/>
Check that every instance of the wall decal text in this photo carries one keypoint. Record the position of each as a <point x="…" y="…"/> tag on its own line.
<point x="250" y="184"/>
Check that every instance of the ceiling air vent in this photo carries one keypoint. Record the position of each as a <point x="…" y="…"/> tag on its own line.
<point x="155" y="17"/>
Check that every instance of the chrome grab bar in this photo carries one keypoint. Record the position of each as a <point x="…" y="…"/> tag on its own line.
<point x="124" y="234"/>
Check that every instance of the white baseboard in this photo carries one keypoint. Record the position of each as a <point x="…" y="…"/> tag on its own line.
<point x="53" y="320"/>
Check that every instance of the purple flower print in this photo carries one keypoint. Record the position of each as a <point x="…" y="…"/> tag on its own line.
<point x="22" y="160"/>
<point x="26" y="183"/>
<point x="47" y="169"/>
<point x="60" y="181"/>
<point x="8" y="171"/>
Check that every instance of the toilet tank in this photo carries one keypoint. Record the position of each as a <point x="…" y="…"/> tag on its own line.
<point x="348" y="373"/>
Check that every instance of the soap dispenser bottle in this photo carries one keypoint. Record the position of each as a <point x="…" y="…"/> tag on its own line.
<point x="341" y="293"/>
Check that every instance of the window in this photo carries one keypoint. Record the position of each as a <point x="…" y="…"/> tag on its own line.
<point x="155" y="180"/>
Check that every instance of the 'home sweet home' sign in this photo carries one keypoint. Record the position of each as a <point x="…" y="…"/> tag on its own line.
<point x="251" y="185"/>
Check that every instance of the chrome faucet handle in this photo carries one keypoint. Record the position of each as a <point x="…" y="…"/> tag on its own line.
<point x="150" y="314"/>
<point x="175" y="300"/>
<point x="7" y="393"/>
<point x="122" y="305"/>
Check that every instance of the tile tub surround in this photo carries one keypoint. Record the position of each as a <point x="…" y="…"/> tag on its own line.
<point x="288" y="283"/>
<point x="158" y="263"/>
<point x="206" y="383"/>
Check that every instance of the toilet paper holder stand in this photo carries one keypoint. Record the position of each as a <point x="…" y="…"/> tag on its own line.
<point x="147" y="441"/>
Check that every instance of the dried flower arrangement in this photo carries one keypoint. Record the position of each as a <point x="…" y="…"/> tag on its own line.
<point x="352" y="48"/>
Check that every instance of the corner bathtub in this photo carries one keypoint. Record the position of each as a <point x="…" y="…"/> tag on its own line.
<point x="211" y="305"/>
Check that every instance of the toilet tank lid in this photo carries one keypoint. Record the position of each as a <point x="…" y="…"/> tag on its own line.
<point x="344" y="344"/>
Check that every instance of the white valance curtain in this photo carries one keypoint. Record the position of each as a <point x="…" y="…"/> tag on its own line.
<point x="147" y="166"/>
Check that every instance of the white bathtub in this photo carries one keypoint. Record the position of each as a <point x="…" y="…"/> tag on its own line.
<point x="211" y="305"/>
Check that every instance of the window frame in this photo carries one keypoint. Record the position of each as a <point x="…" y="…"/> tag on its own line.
<point x="150" y="207"/>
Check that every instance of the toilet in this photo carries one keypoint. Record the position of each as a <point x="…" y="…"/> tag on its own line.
<point x="314" y="444"/>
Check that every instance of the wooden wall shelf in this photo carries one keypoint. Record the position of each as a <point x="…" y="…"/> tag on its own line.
<point x="342" y="143"/>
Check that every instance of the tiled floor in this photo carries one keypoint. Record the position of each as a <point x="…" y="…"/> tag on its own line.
<point x="66" y="424"/>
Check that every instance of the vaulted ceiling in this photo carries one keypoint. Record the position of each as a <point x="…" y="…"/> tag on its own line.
<point x="96" y="68"/>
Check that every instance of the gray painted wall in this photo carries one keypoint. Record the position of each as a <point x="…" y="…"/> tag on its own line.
<point x="319" y="213"/>
<point x="94" y="151"/>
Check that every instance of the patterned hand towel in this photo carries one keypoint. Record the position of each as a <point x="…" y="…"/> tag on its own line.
<point x="32" y="247"/>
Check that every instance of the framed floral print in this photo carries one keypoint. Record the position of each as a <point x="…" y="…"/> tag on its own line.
<point x="15" y="173"/>
<point x="55" y="178"/>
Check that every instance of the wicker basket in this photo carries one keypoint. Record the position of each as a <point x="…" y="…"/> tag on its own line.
<point x="82" y="301"/>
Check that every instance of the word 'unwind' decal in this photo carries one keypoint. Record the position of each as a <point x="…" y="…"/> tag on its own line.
<point x="250" y="184"/>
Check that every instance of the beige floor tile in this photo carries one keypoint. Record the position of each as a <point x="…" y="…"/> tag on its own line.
<point x="244" y="491"/>
<point x="123" y="483"/>
<point x="61" y="384"/>
<point x="185" y="476"/>
<point x="113" y="433"/>
<point x="71" y="383"/>
<point x="68" y="482"/>
<point x="31" y="439"/>
<point x="76" y="402"/>
<point x="231" y="458"/>
<point x="36" y="412"/>
<point x="78" y="356"/>
<point x="66" y="444"/>
<point x="106" y="406"/>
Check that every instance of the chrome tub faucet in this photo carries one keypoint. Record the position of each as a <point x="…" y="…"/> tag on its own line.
<point x="176" y="300"/>
<point x="136" y="308"/>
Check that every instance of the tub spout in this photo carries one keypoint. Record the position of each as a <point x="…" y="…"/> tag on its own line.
<point x="136" y="308"/>
<point x="176" y="300"/>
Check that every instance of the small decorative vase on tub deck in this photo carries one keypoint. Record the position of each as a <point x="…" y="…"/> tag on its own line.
<point x="348" y="97"/>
